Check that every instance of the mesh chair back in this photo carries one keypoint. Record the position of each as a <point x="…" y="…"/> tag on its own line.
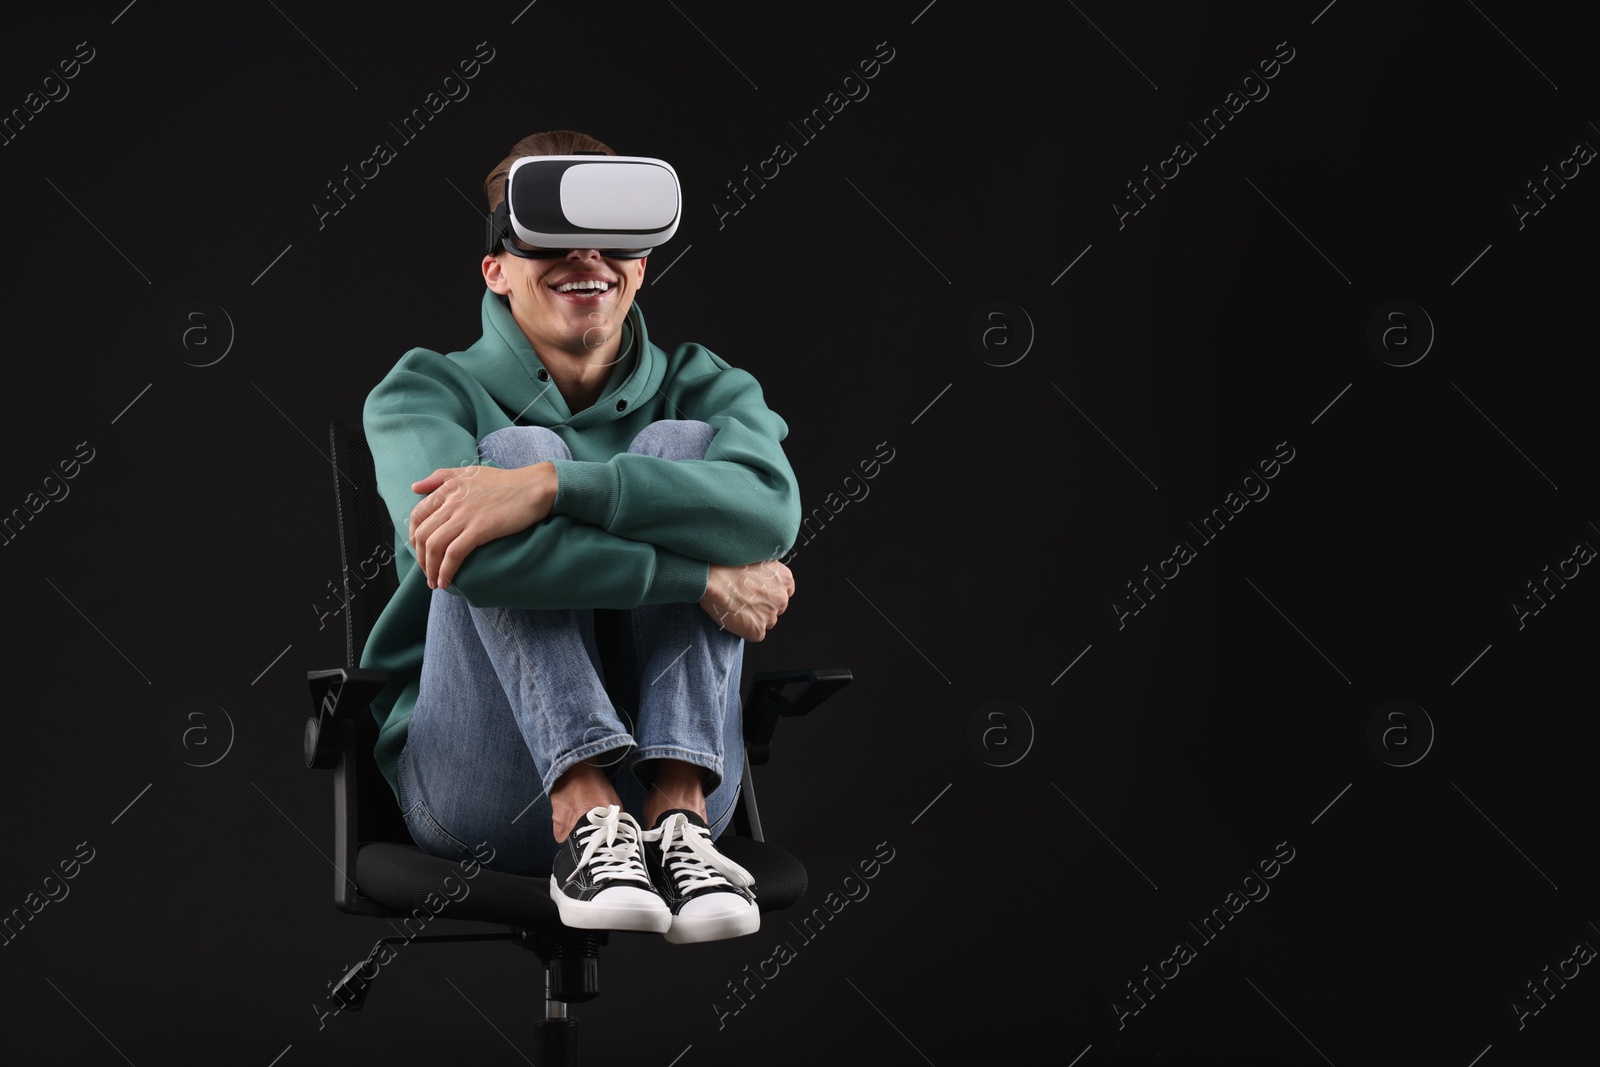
<point x="366" y="535"/>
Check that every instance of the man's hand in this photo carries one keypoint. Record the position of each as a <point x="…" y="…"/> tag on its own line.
<point x="748" y="600"/>
<point x="469" y="506"/>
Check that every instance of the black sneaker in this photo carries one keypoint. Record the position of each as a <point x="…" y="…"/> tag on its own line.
<point x="599" y="880"/>
<point x="707" y="894"/>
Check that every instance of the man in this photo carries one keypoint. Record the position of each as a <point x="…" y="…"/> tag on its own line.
<point x="564" y="463"/>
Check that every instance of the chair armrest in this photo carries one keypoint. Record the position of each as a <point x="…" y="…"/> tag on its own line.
<point x="767" y="702"/>
<point x="762" y="707"/>
<point x="338" y="695"/>
<point x="332" y="737"/>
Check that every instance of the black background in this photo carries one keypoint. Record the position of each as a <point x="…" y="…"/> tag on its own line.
<point x="1229" y="315"/>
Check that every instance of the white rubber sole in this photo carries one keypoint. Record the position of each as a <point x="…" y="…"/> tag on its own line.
<point x="688" y="930"/>
<point x="619" y="908"/>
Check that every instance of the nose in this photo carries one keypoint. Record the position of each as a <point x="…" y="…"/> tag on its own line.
<point x="584" y="253"/>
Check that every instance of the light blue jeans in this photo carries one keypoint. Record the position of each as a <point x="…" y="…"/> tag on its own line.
<point x="512" y="698"/>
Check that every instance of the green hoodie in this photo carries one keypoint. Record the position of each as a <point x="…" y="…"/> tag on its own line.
<point x="625" y="529"/>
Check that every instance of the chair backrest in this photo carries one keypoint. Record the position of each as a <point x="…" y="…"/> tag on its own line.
<point x="365" y="535"/>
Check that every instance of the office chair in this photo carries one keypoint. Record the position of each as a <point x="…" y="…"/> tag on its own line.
<point x="379" y="869"/>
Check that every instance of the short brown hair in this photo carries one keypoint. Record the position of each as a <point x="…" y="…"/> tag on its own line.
<point x="550" y="143"/>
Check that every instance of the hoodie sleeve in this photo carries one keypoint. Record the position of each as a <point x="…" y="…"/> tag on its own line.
<point x="741" y="504"/>
<point x="417" y="420"/>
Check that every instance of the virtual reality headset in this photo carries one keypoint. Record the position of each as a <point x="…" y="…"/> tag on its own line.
<point x="622" y="205"/>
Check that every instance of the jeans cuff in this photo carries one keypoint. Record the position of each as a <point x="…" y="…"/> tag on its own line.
<point x="711" y="763"/>
<point x="568" y="760"/>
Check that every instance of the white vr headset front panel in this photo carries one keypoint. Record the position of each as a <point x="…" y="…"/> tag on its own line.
<point x="593" y="201"/>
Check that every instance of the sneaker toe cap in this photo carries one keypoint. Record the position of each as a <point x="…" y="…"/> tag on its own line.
<point x="628" y="896"/>
<point x="708" y="905"/>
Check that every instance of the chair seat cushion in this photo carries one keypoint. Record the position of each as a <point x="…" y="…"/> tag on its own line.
<point x="404" y="878"/>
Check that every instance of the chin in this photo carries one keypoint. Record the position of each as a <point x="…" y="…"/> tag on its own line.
<point x="595" y="337"/>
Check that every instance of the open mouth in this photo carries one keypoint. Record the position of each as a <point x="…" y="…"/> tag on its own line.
<point x="585" y="290"/>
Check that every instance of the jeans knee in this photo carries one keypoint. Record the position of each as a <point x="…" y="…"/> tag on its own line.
<point x="675" y="439"/>
<point x="523" y="446"/>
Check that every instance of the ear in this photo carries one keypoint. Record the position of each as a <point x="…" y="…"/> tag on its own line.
<point x="495" y="277"/>
<point x="638" y="275"/>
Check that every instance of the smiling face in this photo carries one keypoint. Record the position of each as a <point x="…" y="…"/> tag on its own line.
<point x="574" y="304"/>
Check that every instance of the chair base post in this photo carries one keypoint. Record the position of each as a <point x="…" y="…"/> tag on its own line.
<point x="556" y="1043"/>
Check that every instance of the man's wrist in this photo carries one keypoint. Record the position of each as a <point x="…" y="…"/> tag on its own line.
<point x="546" y="485"/>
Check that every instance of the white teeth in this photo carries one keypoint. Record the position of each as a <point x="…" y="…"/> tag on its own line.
<point x="567" y="287"/>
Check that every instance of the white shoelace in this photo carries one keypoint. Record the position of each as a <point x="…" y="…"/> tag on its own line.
<point x="692" y="860"/>
<point x="613" y="847"/>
